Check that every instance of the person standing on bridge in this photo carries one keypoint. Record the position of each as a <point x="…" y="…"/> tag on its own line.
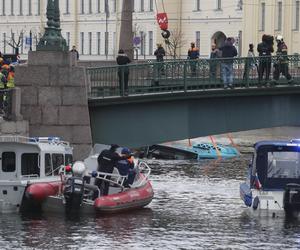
<point x="213" y="64"/>
<point x="228" y="51"/>
<point x="160" y="54"/>
<point x="282" y="63"/>
<point x="193" y="55"/>
<point x="123" y="72"/>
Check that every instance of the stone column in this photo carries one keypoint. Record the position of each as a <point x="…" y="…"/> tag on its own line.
<point x="54" y="99"/>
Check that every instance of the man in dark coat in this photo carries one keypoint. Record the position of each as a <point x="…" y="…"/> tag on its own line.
<point x="123" y="71"/>
<point x="228" y="51"/>
<point x="107" y="160"/>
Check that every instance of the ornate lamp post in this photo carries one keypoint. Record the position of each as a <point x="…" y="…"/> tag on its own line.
<point x="52" y="39"/>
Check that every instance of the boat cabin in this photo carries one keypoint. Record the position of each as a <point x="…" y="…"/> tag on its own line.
<point x="276" y="163"/>
<point x="37" y="157"/>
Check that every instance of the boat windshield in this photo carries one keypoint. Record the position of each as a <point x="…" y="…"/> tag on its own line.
<point x="277" y="166"/>
<point x="283" y="164"/>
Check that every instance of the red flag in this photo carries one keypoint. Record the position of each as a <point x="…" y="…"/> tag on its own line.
<point x="162" y="20"/>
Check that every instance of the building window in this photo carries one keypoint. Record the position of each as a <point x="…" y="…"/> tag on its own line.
<point x="98" y="43"/>
<point x="297" y="10"/>
<point x="142" y="6"/>
<point x="12" y="7"/>
<point x="68" y="38"/>
<point x="90" y="43"/>
<point x="263" y="16"/>
<point x="114" y="6"/>
<point x="150" y="5"/>
<point x="106" y="43"/>
<point x="279" y="17"/>
<point x="219" y="4"/>
<point x="38" y="7"/>
<point x="82" y="42"/>
<point x="82" y="7"/>
<point x="142" y="35"/>
<point x="197" y="5"/>
<point x="4" y="43"/>
<point x="98" y="6"/>
<point x="150" y="42"/>
<point x="29" y="8"/>
<point x="21" y="8"/>
<point x="198" y="39"/>
<point x="3" y="7"/>
<point x="240" y="5"/>
<point x="67" y="6"/>
<point x="90" y="7"/>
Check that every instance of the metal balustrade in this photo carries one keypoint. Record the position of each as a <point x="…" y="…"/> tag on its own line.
<point x="179" y="76"/>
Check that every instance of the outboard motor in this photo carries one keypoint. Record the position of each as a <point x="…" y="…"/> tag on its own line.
<point x="291" y="199"/>
<point x="74" y="188"/>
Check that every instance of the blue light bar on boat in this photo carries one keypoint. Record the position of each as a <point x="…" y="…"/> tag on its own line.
<point x="49" y="139"/>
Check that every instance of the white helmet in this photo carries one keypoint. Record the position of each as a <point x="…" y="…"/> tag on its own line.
<point x="279" y="38"/>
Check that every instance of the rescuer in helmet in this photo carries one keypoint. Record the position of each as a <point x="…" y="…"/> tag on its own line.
<point x="281" y="65"/>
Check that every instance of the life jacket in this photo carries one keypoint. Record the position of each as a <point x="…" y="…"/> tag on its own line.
<point x="11" y="80"/>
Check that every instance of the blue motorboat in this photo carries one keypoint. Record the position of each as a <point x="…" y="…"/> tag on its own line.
<point x="195" y="152"/>
<point x="273" y="178"/>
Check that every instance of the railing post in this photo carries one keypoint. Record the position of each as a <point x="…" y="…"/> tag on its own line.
<point x="184" y="76"/>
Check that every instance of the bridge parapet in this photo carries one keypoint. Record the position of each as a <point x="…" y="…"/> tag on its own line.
<point x="190" y="75"/>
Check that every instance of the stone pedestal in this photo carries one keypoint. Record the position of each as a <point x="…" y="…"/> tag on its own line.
<point x="54" y="99"/>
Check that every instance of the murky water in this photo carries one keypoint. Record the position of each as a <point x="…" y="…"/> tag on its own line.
<point x="196" y="206"/>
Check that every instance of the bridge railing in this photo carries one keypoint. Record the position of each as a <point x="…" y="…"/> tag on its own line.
<point x="190" y="75"/>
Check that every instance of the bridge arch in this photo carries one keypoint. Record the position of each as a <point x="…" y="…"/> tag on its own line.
<point x="218" y="38"/>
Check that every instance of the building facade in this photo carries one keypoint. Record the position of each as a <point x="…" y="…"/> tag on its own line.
<point x="272" y="17"/>
<point x="93" y="26"/>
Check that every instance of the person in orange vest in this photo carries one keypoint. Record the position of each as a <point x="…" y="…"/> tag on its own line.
<point x="11" y="77"/>
<point x="126" y="166"/>
<point x="193" y="54"/>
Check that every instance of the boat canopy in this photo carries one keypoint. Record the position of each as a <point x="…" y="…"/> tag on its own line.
<point x="277" y="163"/>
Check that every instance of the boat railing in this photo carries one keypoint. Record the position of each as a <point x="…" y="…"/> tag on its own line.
<point x="143" y="173"/>
<point x="113" y="178"/>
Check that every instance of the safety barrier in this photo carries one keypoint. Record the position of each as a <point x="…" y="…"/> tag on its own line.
<point x="191" y="75"/>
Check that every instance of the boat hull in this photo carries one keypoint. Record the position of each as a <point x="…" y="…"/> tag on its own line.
<point x="130" y="199"/>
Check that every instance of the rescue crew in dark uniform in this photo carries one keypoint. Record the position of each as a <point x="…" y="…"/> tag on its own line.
<point x="107" y="160"/>
<point x="281" y="66"/>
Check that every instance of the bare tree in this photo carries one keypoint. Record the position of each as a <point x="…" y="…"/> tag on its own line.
<point x="174" y="43"/>
<point x="15" y="42"/>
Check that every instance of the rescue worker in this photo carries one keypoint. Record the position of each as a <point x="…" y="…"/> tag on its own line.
<point x="11" y="77"/>
<point x="193" y="54"/>
<point x="107" y="160"/>
<point x="126" y="167"/>
<point x="3" y="81"/>
<point x="281" y="66"/>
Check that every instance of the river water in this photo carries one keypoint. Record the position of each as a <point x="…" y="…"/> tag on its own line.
<point x="196" y="206"/>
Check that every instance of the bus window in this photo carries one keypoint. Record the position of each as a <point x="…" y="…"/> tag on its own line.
<point x="30" y="164"/>
<point x="48" y="165"/>
<point x="8" y="162"/>
<point x="57" y="161"/>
